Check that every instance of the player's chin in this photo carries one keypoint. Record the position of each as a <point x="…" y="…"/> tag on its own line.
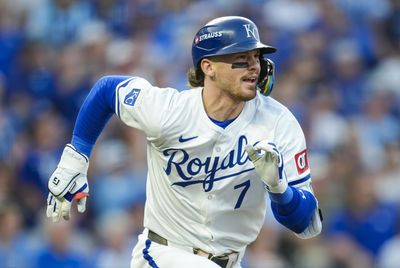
<point x="248" y="92"/>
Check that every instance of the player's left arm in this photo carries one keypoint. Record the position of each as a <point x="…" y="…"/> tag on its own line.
<point x="291" y="143"/>
<point x="284" y="169"/>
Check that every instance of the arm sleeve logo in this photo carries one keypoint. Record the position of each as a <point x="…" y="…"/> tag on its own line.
<point x="301" y="161"/>
<point x="131" y="97"/>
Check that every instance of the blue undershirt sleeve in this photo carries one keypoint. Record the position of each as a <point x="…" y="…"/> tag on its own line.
<point x="95" y="112"/>
<point x="294" y="208"/>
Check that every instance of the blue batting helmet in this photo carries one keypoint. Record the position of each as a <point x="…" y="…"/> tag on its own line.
<point x="227" y="35"/>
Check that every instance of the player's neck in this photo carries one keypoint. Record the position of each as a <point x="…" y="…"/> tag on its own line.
<point x="220" y="106"/>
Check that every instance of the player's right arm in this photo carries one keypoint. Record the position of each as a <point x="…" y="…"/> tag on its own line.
<point x="69" y="181"/>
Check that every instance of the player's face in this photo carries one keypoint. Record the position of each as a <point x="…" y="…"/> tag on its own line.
<point x="240" y="83"/>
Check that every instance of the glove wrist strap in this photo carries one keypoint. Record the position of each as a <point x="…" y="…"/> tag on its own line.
<point x="278" y="189"/>
<point x="73" y="160"/>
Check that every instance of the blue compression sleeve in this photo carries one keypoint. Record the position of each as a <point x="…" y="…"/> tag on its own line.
<point x="283" y="198"/>
<point x="94" y="114"/>
<point x="294" y="213"/>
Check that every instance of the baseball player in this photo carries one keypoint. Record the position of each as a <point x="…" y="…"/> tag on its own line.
<point x="217" y="153"/>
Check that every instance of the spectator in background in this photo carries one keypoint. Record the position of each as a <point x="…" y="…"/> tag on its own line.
<point x="8" y="130"/>
<point x="32" y="74"/>
<point x="94" y="40"/>
<point x="117" y="239"/>
<point x="72" y="81"/>
<point x="47" y="130"/>
<point x="391" y="29"/>
<point x="64" y="247"/>
<point x="7" y="183"/>
<point x="119" y="16"/>
<point x="389" y="256"/>
<point x="264" y="251"/>
<point x="15" y="248"/>
<point x="375" y="128"/>
<point x="57" y="22"/>
<point x="347" y="76"/>
<point x="11" y="35"/>
<point x="327" y="129"/>
<point x="387" y="190"/>
<point x="114" y="171"/>
<point x="384" y="80"/>
<point x="358" y="230"/>
<point x="388" y="186"/>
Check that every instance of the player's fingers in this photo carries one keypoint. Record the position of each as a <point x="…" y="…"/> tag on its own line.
<point x="254" y="156"/>
<point x="265" y="147"/>
<point x="65" y="209"/>
<point x="56" y="213"/>
<point x="50" y="205"/>
<point x="81" y="203"/>
<point x="271" y="148"/>
<point x="271" y="157"/>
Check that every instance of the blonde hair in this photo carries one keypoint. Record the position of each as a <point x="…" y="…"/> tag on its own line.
<point x="195" y="77"/>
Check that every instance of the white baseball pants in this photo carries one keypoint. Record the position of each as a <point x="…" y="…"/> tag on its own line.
<point x="149" y="254"/>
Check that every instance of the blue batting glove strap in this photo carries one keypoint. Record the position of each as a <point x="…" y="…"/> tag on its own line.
<point x="296" y="214"/>
<point x="70" y="196"/>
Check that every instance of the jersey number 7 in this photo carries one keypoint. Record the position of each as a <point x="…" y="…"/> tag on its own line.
<point x="246" y="186"/>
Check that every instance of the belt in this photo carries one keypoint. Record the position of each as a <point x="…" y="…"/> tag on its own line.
<point x="224" y="261"/>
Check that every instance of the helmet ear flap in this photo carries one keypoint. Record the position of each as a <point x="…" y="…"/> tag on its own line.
<point x="267" y="76"/>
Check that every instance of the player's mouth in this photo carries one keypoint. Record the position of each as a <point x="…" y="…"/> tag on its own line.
<point x="252" y="80"/>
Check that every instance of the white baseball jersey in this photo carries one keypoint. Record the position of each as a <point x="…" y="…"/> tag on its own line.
<point x="202" y="189"/>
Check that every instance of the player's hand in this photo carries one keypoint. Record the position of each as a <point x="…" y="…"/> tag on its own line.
<point x="269" y="165"/>
<point x="67" y="183"/>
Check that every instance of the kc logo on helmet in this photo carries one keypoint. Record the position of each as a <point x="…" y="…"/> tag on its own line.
<point x="251" y="31"/>
<point x="301" y="161"/>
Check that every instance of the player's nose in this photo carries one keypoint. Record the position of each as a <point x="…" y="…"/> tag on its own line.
<point x="254" y="64"/>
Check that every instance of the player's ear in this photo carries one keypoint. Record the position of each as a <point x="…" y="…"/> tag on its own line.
<point x="207" y="67"/>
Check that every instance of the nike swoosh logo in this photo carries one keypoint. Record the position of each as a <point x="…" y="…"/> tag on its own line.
<point x="181" y="139"/>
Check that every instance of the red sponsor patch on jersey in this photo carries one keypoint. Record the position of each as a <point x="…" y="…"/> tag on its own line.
<point x="301" y="161"/>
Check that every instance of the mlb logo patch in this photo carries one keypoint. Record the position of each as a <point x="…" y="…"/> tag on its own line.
<point x="131" y="97"/>
<point x="301" y="161"/>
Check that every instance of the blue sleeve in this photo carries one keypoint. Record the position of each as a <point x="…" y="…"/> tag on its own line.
<point x="294" y="208"/>
<point x="95" y="112"/>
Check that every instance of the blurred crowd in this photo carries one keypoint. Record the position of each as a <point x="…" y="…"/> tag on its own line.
<point x="337" y="70"/>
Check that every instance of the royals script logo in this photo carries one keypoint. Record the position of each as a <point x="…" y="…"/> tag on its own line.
<point x="187" y="167"/>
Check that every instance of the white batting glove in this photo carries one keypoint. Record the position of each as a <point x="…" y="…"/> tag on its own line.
<point x="67" y="183"/>
<point x="268" y="165"/>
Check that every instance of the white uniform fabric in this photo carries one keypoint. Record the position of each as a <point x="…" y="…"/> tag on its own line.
<point x="202" y="189"/>
<point x="173" y="256"/>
